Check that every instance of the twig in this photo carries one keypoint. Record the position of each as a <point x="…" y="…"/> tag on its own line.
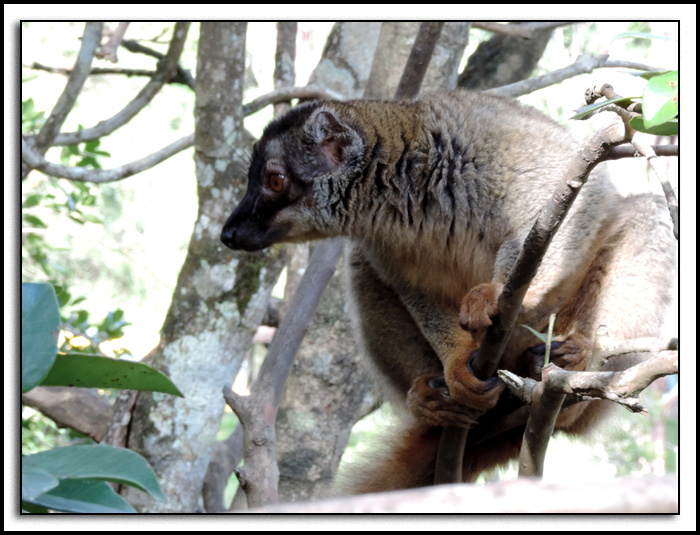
<point x="181" y="76"/>
<point x="108" y="51"/>
<point x="177" y="79"/>
<point x="50" y="131"/>
<point x="630" y="151"/>
<point x="288" y="93"/>
<point x="648" y="152"/>
<point x="166" y="70"/>
<point x="622" y="387"/>
<point x="583" y="64"/>
<point x="523" y="387"/>
<point x="101" y="176"/>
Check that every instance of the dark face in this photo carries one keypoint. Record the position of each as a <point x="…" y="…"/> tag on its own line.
<point x="297" y="153"/>
<point x="256" y="222"/>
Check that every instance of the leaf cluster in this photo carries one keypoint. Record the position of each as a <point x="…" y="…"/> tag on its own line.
<point x="74" y="478"/>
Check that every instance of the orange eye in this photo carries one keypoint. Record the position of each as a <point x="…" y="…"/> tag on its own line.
<point x="276" y="181"/>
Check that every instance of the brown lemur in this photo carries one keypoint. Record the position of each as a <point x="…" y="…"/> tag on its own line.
<point x="436" y="197"/>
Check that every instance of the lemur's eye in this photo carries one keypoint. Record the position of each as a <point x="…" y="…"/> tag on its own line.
<point x="276" y="182"/>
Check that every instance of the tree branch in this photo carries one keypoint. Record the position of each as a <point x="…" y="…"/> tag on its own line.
<point x="583" y="64"/>
<point x="418" y="60"/>
<point x="47" y="136"/>
<point x="288" y="93"/>
<point x="257" y="412"/>
<point x="101" y="176"/>
<point x="76" y="408"/>
<point x="630" y="151"/>
<point x="108" y="51"/>
<point x="284" y="61"/>
<point x="671" y="200"/>
<point x="177" y="79"/>
<point x="649" y="494"/>
<point x="165" y="71"/>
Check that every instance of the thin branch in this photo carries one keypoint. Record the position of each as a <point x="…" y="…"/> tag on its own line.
<point x="288" y="93"/>
<point x="257" y="412"/>
<point x="181" y="76"/>
<point x="166" y="70"/>
<point x="672" y="201"/>
<point x="622" y="387"/>
<point x="590" y="154"/>
<point x="47" y="136"/>
<point x="101" y="176"/>
<point x="583" y="64"/>
<point x="76" y="408"/>
<point x="630" y="151"/>
<point x="523" y="387"/>
<point x="108" y="51"/>
<point x="284" y="62"/>
<point x="418" y="60"/>
<point x="546" y="404"/>
<point x="177" y="79"/>
<point x="617" y="64"/>
<point x="31" y="158"/>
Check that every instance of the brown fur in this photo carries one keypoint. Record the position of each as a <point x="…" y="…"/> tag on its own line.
<point x="436" y="197"/>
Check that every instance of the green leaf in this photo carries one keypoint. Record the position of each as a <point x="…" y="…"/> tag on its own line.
<point x="83" y="496"/>
<point x="36" y="481"/>
<point x="586" y="111"/>
<point x="102" y="462"/>
<point x="661" y="99"/>
<point x="34" y="221"/>
<point x="88" y="161"/>
<point x="104" y="372"/>
<point x="39" y="321"/>
<point x="669" y="128"/>
<point x="35" y="509"/>
<point x="31" y="200"/>
<point x="541" y="336"/>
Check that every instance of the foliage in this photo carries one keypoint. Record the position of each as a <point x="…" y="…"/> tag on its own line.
<point x="73" y="478"/>
<point x="659" y="99"/>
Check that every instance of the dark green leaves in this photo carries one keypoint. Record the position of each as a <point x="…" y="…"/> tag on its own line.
<point x="73" y="478"/>
<point x="39" y="325"/>
<point x="104" y="372"/>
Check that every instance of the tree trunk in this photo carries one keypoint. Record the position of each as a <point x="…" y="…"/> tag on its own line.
<point x="220" y="296"/>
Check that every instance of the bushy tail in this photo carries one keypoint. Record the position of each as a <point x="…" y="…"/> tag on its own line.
<point x="408" y="461"/>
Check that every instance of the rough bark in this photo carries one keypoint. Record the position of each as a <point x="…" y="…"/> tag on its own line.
<point x="502" y="60"/>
